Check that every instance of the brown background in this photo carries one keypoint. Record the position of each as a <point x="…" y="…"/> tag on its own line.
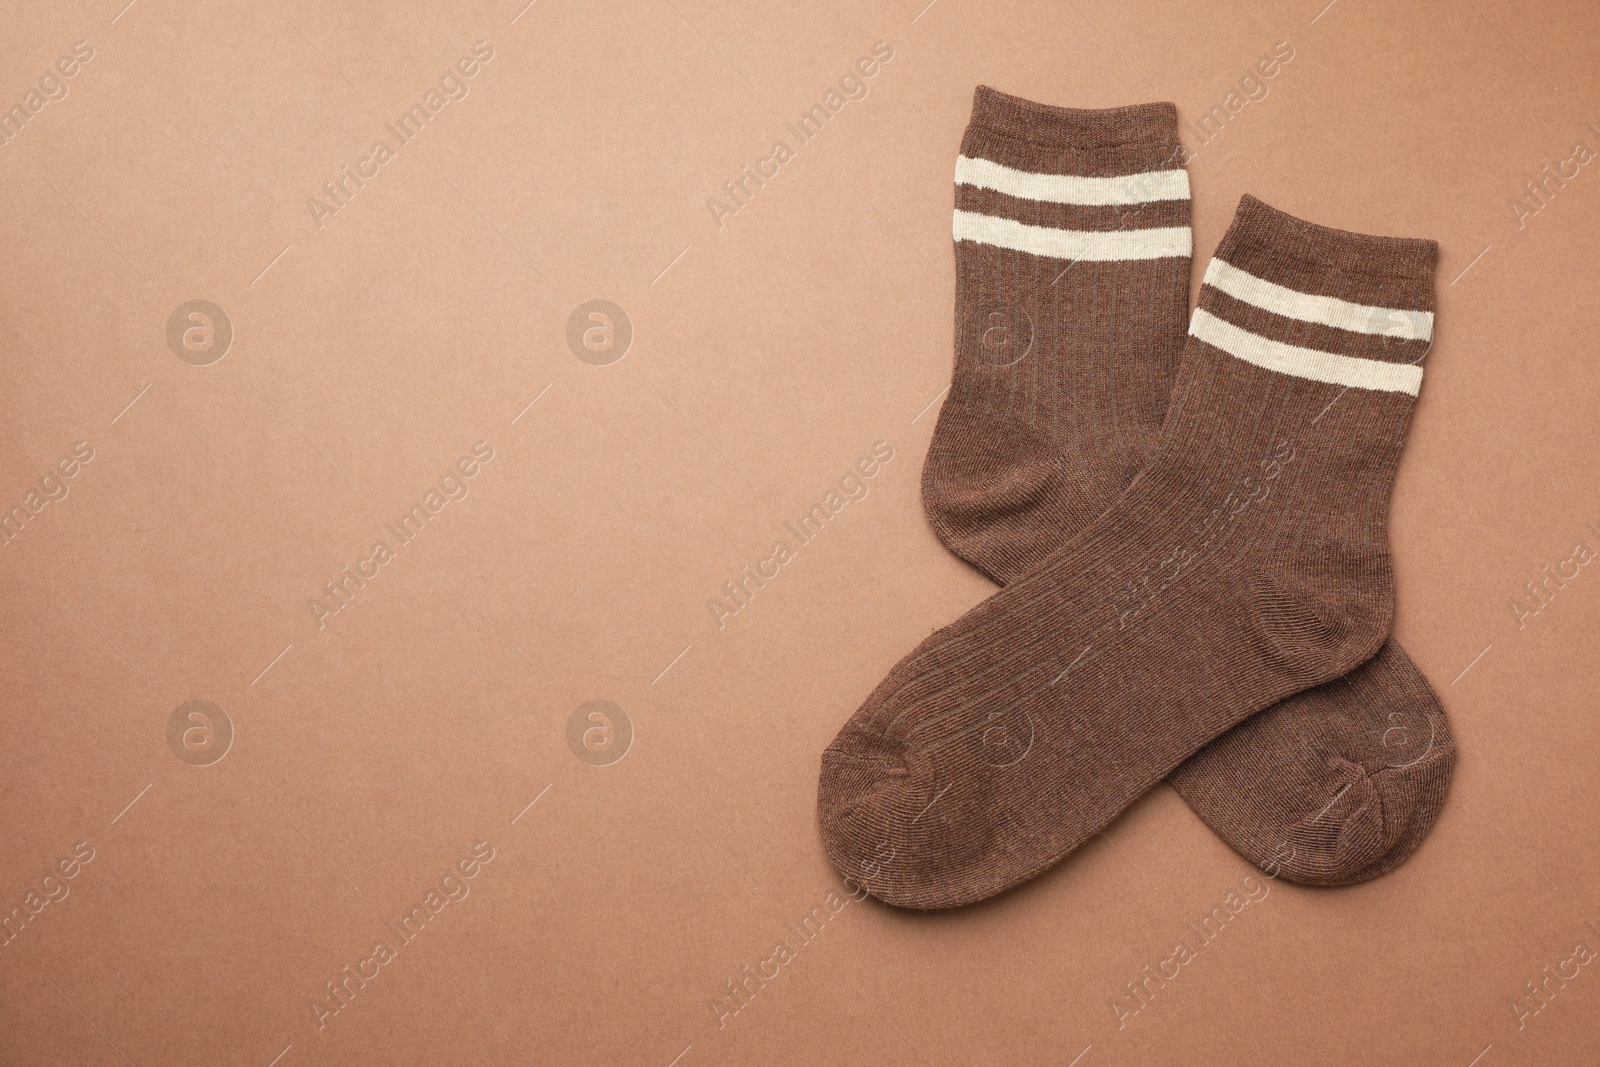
<point x="371" y="754"/>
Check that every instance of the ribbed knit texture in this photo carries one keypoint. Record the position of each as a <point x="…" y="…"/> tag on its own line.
<point x="1034" y="444"/>
<point x="1063" y="367"/>
<point x="1247" y="562"/>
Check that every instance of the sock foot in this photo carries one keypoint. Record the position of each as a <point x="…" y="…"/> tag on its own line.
<point x="1335" y="785"/>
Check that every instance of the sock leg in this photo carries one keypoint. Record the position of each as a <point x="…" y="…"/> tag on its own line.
<point x="1072" y="288"/>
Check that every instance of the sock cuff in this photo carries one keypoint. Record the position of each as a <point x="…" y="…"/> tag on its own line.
<point x="1071" y="127"/>
<point x="1314" y="302"/>
<point x="1385" y="272"/>
<point x="1072" y="184"/>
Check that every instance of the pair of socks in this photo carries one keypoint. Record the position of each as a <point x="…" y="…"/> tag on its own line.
<point x="1189" y="525"/>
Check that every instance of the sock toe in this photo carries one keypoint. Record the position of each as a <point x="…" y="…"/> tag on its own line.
<point x="1374" y="825"/>
<point x="892" y="828"/>
<point x="1412" y="796"/>
<point x="1346" y="836"/>
<point x="860" y="776"/>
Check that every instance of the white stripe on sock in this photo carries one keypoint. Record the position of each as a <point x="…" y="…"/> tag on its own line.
<point x="1307" y="363"/>
<point x="1073" y="244"/>
<point x="1326" y="310"/>
<point x="1072" y="188"/>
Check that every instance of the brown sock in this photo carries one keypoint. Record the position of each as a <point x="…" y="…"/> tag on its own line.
<point x="1248" y="561"/>
<point x="1063" y="373"/>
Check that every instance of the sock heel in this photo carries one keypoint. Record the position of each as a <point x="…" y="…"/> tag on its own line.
<point x="1319" y="625"/>
<point x="980" y="501"/>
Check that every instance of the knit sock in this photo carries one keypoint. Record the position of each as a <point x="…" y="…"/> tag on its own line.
<point x="1248" y="561"/>
<point x="1063" y="373"/>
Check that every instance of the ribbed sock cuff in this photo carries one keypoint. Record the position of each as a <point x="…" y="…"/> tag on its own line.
<point x="1074" y="128"/>
<point x="1318" y="303"/>
<point x="1385" y="272"/>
